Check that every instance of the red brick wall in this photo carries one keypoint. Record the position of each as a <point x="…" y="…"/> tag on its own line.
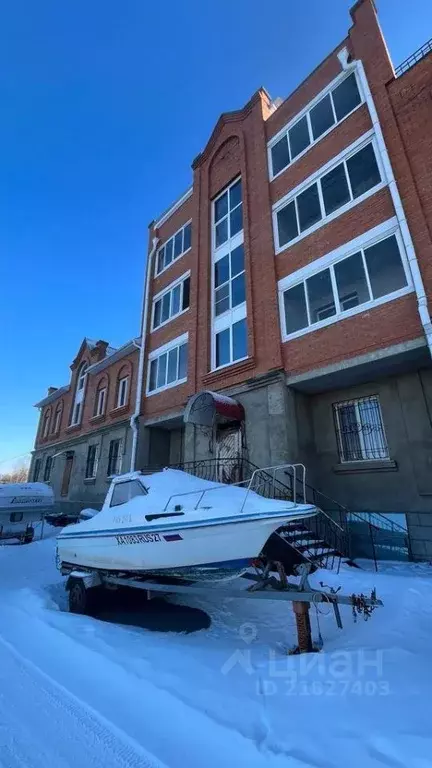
<point x="126" y="366"/>
<point x="321" y="153"/>
<point x="376" y="328"/>
<point x="364" y="216"/>
<point x="238" y="146"/>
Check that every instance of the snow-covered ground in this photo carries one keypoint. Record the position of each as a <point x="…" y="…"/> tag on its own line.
<point x="77" y="691"/>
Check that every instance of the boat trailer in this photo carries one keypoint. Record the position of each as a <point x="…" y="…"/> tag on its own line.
<point x="84" y="585"/>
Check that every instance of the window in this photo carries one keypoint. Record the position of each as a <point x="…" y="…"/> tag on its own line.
<point x="48" y="469"/>
<point x="228" y="214"/>
<point x="231" y="344"/>
<point x="100" y="401"/>
<point x="122" y="391"/>
<point x="57" y="419"/>
<point x="360" y="430"/>
<point x="171" y="303"/>
<point x="114" y="458"/>
<point x="46" y="424"/>
<point x="327" y="112"/>
<point x="36" y="470"/>
<point x="356" y="280"/>
<point x="229" y="332"/>
<point x="79" y="395"/>
<point x="339" y="187"/>
<point x="126" y="491"/>
<point x="175" y="247"/>
<point x="229" y="281"/>
<point x="16" y="517"/>
<point x="168" y="366"/>
<point x="91" y="463"/>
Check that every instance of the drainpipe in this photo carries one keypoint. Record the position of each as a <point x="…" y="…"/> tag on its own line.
<point x="422" y="304"/>
<point x="144" y="316"/>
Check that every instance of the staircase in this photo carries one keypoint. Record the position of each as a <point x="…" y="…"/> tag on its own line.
<point x="324" y="540"/>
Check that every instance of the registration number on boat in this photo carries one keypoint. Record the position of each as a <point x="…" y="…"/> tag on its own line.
<point x="138" y="538"/>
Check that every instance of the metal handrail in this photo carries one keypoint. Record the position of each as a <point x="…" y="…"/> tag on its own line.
<point x="250" y="482"/>
<point x="219" y="487"/>
<point x="415" y="57"/>
<point x="274" y="469"/>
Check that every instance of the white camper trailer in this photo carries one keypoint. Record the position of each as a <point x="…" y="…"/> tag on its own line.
<point x="22" y="505"/>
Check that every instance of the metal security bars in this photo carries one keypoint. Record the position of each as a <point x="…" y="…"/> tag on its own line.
<point x="360" y="430"/>
<point x="415" y="57"/>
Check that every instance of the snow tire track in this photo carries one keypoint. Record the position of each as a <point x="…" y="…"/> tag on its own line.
<point x="79" y="737"/>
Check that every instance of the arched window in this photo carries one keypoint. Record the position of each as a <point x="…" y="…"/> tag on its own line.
<point x="123" y="384"/>
<point x="46" y="423"/>
<point x="101" y="397"/>
<point x="57" y="418"/>
<point x="79" y="395"/>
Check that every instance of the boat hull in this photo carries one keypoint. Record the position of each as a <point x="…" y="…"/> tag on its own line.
<point x="227" y="548"/>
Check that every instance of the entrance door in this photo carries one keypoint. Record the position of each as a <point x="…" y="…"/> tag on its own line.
<point x="67" y="474"/>
<point x="229" y="453"/>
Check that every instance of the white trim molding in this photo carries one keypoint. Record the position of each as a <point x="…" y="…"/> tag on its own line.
<point x="363" y="241"/>
<point x="306" y="112"/>
<point x="173" y="208"/>
<point x="342" y="157"/>
<point x="422" y="302"/>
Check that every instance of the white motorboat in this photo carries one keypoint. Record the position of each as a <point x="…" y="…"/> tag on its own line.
<point x="172" y="523"/>
<point x="21" y="506"/>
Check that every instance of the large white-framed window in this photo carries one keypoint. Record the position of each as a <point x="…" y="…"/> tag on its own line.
<point x="79" y="395"/>
<point x="347" y="180"/>
<point x="101" y="401"/>
<point x="229" y="331"/>
<point x="174" y="248"/>
<point x="171" y="302"/>
<point x="366" y="272"/>
<point x="167" y="365"/>
<point x="227" y="214"/>
<point x="122" y="391"/>
<point x="329" y="108"/>
<point x="360" y="430"/>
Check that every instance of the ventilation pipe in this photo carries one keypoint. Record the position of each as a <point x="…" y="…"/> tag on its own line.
<point x="422" y="303"/>
<point x="144" y="316"/>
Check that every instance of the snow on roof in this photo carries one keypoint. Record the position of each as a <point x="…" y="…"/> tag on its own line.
<point x="53" y="396"/>
<point x="115" y="355"/>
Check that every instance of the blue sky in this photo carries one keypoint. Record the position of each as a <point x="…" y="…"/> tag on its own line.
<point x="103" y="106"/>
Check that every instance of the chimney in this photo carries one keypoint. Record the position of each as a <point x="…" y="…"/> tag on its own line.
<point x="99" y="351"/>
<point x="51" y="390"/>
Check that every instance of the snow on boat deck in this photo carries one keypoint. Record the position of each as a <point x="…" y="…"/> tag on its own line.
<point x="78" y="691"/>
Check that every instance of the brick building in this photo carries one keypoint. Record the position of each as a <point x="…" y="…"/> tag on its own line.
<point x="84" y="435"/>
<point x="295" y="277"/>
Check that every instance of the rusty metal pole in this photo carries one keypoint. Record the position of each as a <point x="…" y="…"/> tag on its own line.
<point x="304" y="632"/>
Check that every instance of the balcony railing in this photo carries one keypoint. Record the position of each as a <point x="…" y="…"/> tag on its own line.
<point x="415" y="57"/>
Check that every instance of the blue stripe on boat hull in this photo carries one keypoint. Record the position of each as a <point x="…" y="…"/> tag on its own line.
<point x="182" y="525"/>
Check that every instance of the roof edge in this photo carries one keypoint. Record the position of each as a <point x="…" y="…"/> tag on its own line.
<point x="121" y="352"/>
<point x="53" y="396"/>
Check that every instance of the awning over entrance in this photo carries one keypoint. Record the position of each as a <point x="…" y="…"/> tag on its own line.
<point x="203" y="408"/>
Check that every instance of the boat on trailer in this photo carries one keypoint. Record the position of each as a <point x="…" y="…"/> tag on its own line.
<point x="22" y="505"/>
<point x="173" y="524"/>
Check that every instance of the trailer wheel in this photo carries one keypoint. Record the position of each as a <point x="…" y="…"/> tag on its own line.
<point x="80" y="599"/>
<point x="28" y="536"/>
